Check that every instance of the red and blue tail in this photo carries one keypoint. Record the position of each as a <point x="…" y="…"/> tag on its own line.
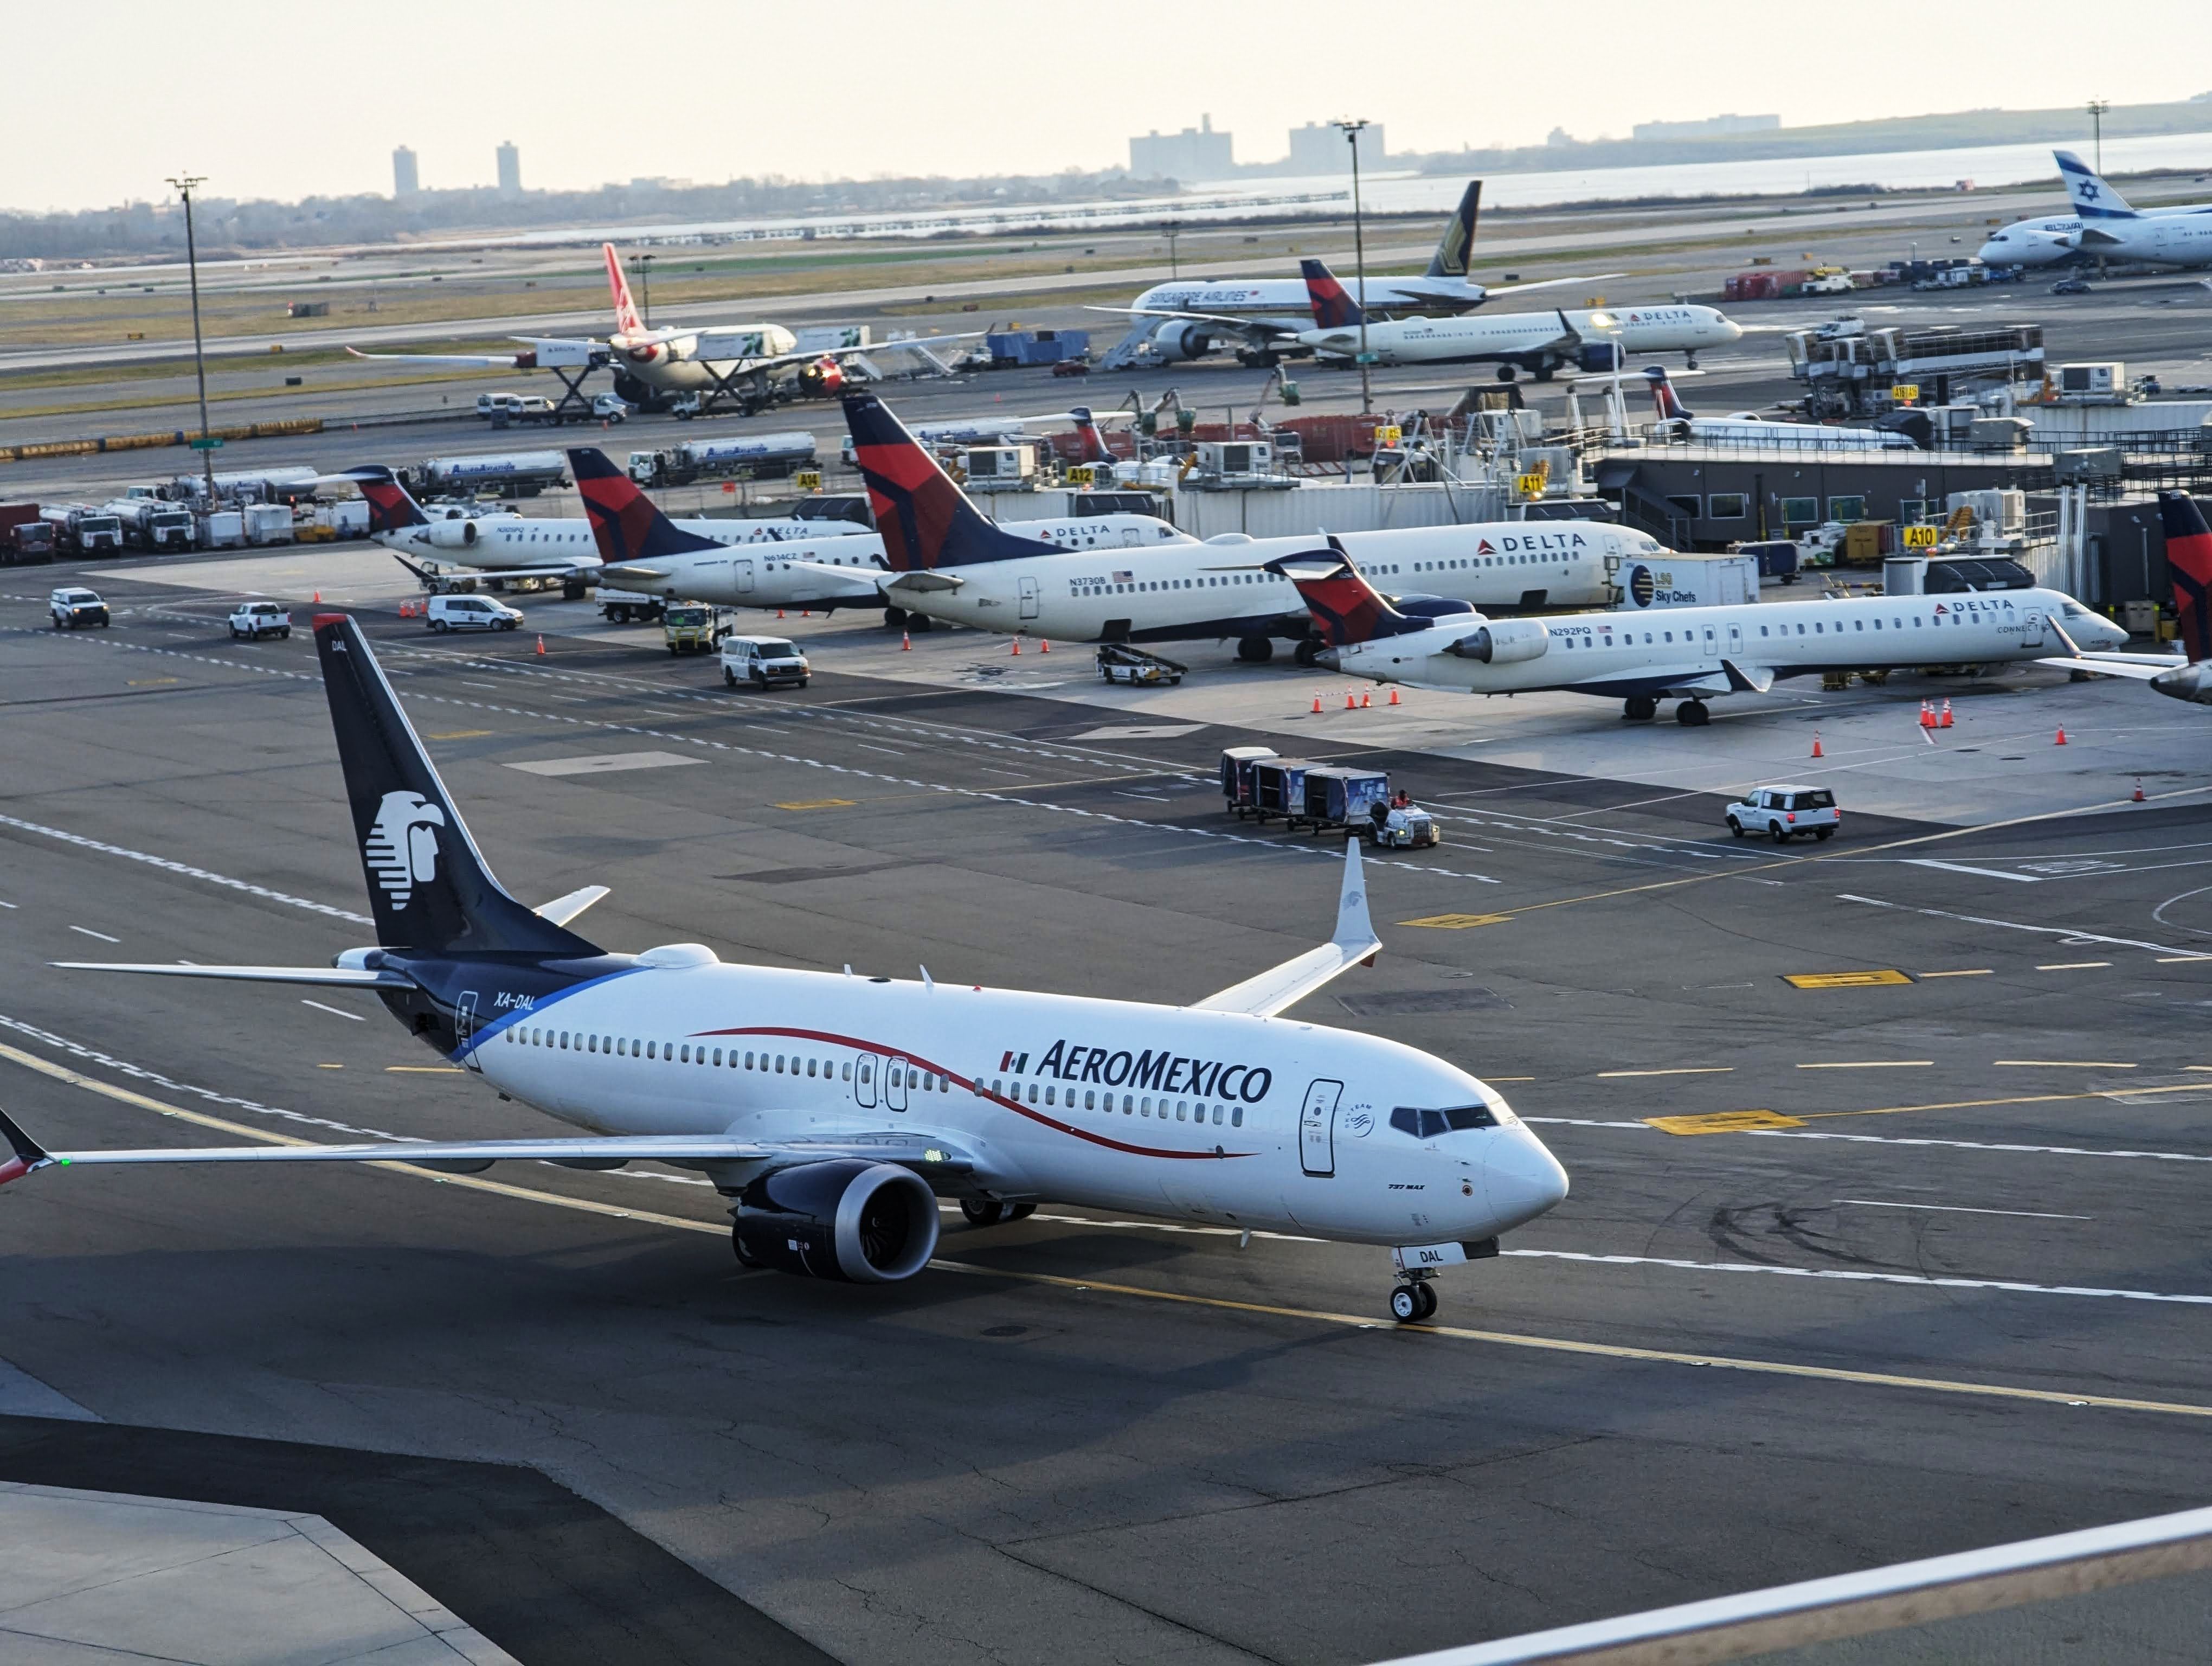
<point x="2188" y="562"/>
<point x="1094" y="449"/>
<point x="1333" y="309"/>
<point x="627" y="322"/>
<point x="1345" y="608"/>
<point x="926" y="520"/>
<point x="390" y="508"/>
<point x="626" y="525"/>
<point x="1671" y="408"/>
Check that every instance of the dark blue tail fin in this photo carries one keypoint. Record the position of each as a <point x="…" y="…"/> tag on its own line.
<point x="626" y="525"/>
<point x="1345" y="608"/>
<point x="1333" y="309"/>
<point x="925" y="519"/>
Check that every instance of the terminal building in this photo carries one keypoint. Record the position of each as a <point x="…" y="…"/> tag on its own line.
<point x="1196" y="153"/>
<point x="1319" y="147"/>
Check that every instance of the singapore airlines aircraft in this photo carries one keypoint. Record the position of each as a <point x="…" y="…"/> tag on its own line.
<point x="833" y="1111"/>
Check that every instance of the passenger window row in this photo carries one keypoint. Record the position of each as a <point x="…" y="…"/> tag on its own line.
<point x="666" y="1052"/>
<point x="1132" y="1105"/>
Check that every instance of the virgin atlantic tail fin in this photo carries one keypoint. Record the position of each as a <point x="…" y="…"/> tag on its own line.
<point x="2189" y="562"/>
<point x="926" y="520"/>
<point x="627" y="321"/>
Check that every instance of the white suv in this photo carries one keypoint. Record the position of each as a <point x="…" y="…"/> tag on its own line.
<point x="470" y="613"/>
<point x="1781" y="812"/>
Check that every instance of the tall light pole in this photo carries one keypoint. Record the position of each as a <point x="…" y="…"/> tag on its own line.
<point x="1351" y="130"/>
<point x="1172" y="230"/>
<point x="184" y="183"/>
<point x="2097" y="108"/>
<point x="643" y="264"/>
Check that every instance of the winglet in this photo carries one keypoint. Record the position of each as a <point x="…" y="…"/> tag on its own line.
<point x="28" y="1154"/>
<point x="1355" y="930"/>
<point x="1280" y="987"/>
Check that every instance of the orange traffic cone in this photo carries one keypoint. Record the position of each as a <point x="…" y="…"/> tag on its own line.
<point x="1366" y="699"/>
<point x="1394" y="697"/>
<point x="1927" y="715"/>
<point x="319" y="597"/>
<point x="1817" y="752"/>
<point x="906" y="642"/>
<point x="779" y="613"/>
<point x="2139" y="791"/>
<point x="541" y="646"/>
<point x="1046" y="647"/>
<point x="1944" y="722"/>
<point x="2061" y="741"/>
<point x="805" y="612"/>
<point x="1316" y="710"/>
<point x="1351" y="700"/>
<point x="1017" y="647"/>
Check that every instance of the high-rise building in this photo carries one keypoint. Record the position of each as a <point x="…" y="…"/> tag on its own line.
<point x="1319" y="147"/>
<point x="510" y="170"/>
<point x="1196" y="153"/>
<point x="405" y="181"/>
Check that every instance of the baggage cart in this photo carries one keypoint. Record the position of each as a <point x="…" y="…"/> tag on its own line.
<point x="1237" y="787"/>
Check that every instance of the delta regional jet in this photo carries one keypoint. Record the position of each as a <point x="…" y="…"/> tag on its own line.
<point x="832" y="1110"/>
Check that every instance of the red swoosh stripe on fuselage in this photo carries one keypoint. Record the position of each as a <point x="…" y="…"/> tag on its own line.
<point x="831" y="1038"/>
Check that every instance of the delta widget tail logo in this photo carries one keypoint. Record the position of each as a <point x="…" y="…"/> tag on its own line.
<point x="627" y="322"/>
<point x="924" y="519"/>
<point x="1344" y="606"/>
<point x="1671" y="408"/>
<point x="625" y="524"/>
<point x="1094" y="449"/>
<point x="390" y="508"/>
<point x="2189" y="561"/>
<point x="1333" y="307"/>
<point x="402" y="849"/>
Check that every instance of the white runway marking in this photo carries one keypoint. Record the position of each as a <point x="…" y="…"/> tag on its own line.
<point x="1849" y="1276"/>
<point x="88" y="931"/>
<point x="1896" y="1140"/>
<point x="2014" y="925"/>
<point x="605" y="763"/>
<point x="1965" y="867"/>
<point x="334" y="1012"/>
<point x="1958" y="1209"/>
<point x="187" y="870"/>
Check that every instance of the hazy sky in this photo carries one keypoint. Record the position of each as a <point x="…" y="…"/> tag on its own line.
<point x="288" y="100"/>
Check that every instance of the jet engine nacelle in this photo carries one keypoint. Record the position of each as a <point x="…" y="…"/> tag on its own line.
<point x="453" y="535"/>
<point x="1506" y="643"/>
<point x="1176" y="343"/>
<point x="1431" y="607"/>
<point x="844" y="1219"/>
<point x="1601" y="356"/>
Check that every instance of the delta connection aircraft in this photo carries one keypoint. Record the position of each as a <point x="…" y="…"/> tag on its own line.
<point x="511" y="546"/>
<point x="1684" y="653"/>
<point x="832" y="1111"/>
<point x="642" y="550"/>
<point x="949" y="561"/>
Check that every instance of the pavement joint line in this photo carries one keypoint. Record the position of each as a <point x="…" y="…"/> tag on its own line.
<point x="2068" y="1064"/>
<point x="1558" y="1344"/>
<point x="269" y="1137"/>
<point x="1854" y="1275"/>
<point x="1595" y="1350"/>
<point x="1877" y="1064"/>
<point x="2009" y="1147"/>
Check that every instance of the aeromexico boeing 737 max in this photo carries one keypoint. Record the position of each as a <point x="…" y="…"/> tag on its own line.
<point x="1684" y="653"/>
<point x="833" y="1111"/>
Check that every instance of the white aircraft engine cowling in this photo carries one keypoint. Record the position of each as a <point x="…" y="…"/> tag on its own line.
<point x="1505" y="643"/>
<point x="1176" y="344"/>
<point x="842" y="1219"/>
<point x="453" y="535"/>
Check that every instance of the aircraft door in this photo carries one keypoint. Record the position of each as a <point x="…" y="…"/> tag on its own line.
<point x="1317" y="1128"/>
<point x="1130" y="536"/>
<point x="895" y="1084"/>
<point x="464" y="1028"/>
<point x="1735" y="641"/>
<point x="1712" y="648"/>
<point x="1029" y="599"/>
<point x="742" y="566"/>
<point x="2030" y="628"/>
<point x="863" y="1078"/>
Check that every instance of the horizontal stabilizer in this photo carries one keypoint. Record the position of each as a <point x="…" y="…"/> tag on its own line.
<point x="621" y="572"/>
<point x="329" y="977"/>
<point x="561" y="910"/>
<point x="921" y="583"/>
<point x="2142" y="667"/>
<point x="1283" y="986"/>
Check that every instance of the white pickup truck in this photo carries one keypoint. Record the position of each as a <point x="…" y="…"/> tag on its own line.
<point x="254" y="620"/>
<point x="1784" y="811"/>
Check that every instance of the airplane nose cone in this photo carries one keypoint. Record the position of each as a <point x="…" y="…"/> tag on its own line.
<point x="1731" y="330"/>
<point x="1522" y="1178"/>
<point x="1325" y="656"/>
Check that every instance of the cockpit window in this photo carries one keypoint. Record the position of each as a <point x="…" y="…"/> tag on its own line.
<point x="1424" y="1124"/>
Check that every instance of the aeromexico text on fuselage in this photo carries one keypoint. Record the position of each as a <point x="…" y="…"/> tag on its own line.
<point x="1161" y="1071"/>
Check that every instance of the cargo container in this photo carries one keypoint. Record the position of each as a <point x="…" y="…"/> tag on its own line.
<point x="507" y="474"/>
<point x="1688" y="581"/>
<point x="25" y="537"/>
<point x="221" y="529"/>
<point x="1010" y="348"/>
<point x="267" y="523"/>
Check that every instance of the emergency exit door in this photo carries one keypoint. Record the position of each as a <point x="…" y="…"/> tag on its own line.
<point x="1317" y="1128"/>
<point x="1029" y="599"/>
<point x="742" y="566"/>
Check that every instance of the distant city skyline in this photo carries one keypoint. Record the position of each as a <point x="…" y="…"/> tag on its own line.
<point x="453" y="83"/>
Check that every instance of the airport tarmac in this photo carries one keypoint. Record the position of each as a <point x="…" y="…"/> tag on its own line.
<point x="1913" y="1262"/>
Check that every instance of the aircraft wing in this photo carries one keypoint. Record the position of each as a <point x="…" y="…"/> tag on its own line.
<point x="906" y="1148"/>
<point x="334" y="977"/>
<point x="539" y="351"/>
<point x="557" y="570"/>
<point x="1283" y="986"/>
<point x="2140" y="666"/>
<point x="1252" y="329"/>
<point x="1489" y="290"/>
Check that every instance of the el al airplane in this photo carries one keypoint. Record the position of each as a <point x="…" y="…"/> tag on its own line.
<point x="506" y="546"/>
<point x="1197" y="315"/>
<point x="2101" y="223"/>
<point x="2189" y="562"/>
<point x="948" y="562"/>
<point x="832" y="1111"/>
<point x="1748" y="428"/>
<point x="1539" y="343"/>
<point x="649" y="364"/>
<point x="641" y="550"/>
<point x="1683" y="653"/>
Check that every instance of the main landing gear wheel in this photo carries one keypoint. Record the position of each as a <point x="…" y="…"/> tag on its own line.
<point x="1304" y="652"/>
<point x="1693" y="714"/>
<point x="1640" y="707"/>
<point x="1505" y="372"/>
<point x="894" y="618"/>
<point x="1409" y="1303"/>
<point x="990" y="1214"/>
<point x="1255" y="650"/>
